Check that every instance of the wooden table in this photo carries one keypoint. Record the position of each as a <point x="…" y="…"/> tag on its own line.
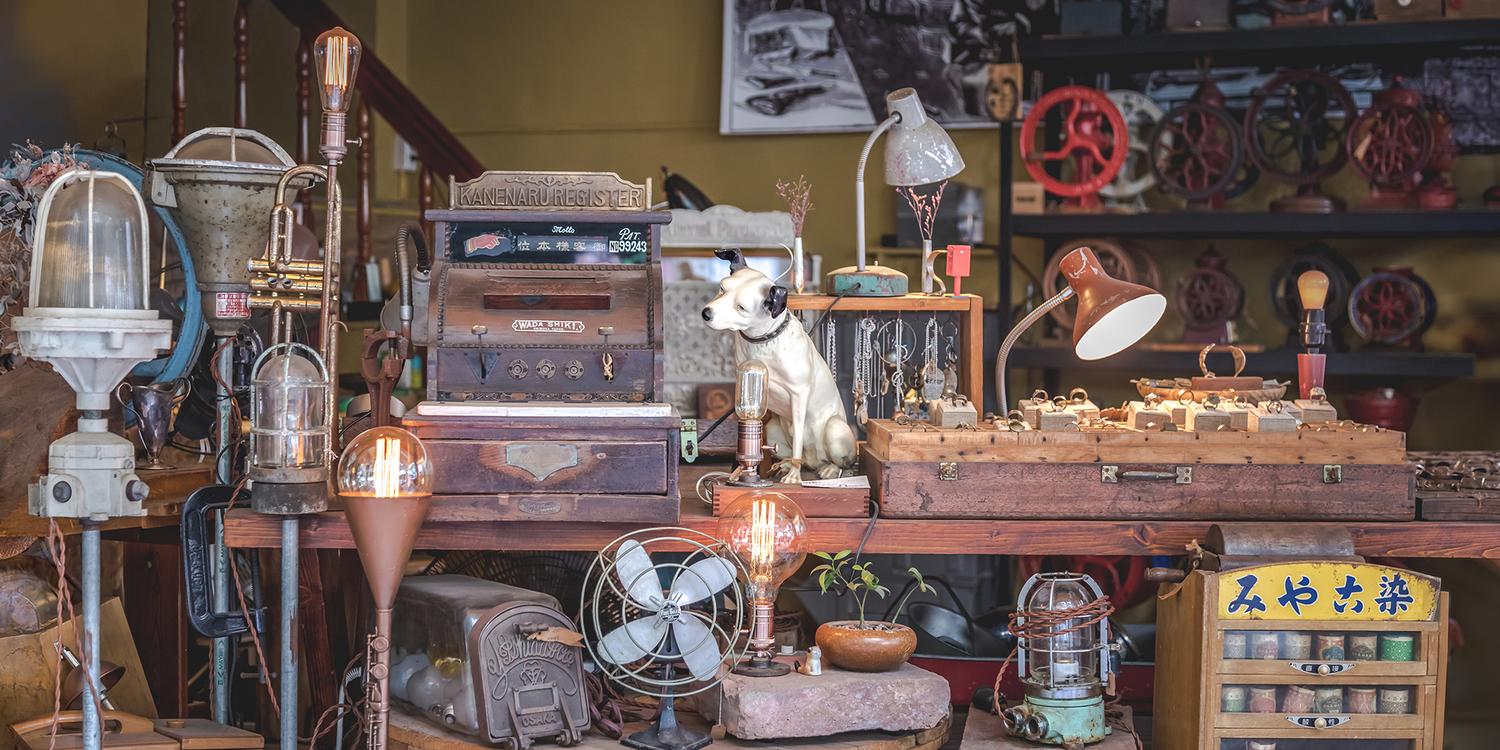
<point x="951" y="537"/>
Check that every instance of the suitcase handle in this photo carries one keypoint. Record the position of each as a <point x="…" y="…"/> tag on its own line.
<point x="1112" y="474"/>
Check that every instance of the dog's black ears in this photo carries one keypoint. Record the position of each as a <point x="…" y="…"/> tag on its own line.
<point x="776" y="300"/>
<point x="733" y="255"/>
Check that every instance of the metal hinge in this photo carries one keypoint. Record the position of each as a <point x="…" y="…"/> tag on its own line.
<point x="690" y="440"/>
<point x="1333" y="473"/>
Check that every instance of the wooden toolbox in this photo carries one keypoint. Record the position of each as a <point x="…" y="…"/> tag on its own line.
<point x="1319" y="655"/>
<point x="1307" y="475"/>
<point x="607" y="469"/>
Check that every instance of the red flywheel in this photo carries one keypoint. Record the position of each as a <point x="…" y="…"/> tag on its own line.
<point x="1094" y="139"/>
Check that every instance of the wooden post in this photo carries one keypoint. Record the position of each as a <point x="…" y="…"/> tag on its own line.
<point x="179" y="70"/>
<point x="424" y="201"/>
<point x="241" y="60"/>
<point x="304" y="126"/>
<point x="362" y="176"/>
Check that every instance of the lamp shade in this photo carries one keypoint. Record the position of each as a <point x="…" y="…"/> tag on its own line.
<point x="1112" y="314"/>
<point x="917" y="150"/>
<point x="91" y="246"/>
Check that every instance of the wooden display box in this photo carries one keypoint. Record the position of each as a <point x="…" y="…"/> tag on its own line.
<point x="537" y="469"/>
<point x="815" y="502"/>
<point x="1212" y="693"/>
<point x="1129" y="474"/>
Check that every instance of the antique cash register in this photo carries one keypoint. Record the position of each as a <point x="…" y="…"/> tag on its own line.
<point x="544" y="367"/>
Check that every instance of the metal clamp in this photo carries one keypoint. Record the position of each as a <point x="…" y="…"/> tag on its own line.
<point x="1333" y="473"/>
<point x="1317" y="721"/>
<point x="1321" y="667"/>
<point x="1111" y="474"/>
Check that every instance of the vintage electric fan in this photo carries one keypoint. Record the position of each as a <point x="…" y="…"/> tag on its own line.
<point x="651" y="620"/>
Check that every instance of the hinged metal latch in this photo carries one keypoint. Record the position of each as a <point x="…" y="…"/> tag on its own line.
<point x="1333" y="473"/>
<point x="1111" y="474"/>
<point x="1316" y="721"/>
<point x="948" y="471"/>
<point x="690" y="440"/>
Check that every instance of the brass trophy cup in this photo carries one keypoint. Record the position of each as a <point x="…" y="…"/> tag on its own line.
<point x="385" y="481"/>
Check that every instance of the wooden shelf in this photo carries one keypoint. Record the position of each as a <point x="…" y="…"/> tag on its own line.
<point x="1261" y="225"/>
<point x="1148" y="363"/>
<point x="1287" y="46"/>
<point x="246" y="528"/>
<point x="906" y="303"/>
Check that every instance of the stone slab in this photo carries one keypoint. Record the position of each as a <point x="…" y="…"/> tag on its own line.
<point x="835" y="702"/>
<point x="984" y="731"/>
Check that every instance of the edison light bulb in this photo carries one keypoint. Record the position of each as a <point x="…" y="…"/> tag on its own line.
<point x="765" y="530"/>
<point x="1312" y="287"/>
<point x="336" y="52"/>
<point x="750" y="390"/>
<point x="385" y="462"/>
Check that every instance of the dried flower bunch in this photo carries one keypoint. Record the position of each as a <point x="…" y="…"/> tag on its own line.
<point x="798" y="197"/>
<point x="924" y="206"/>
<point x="23" y="179"/>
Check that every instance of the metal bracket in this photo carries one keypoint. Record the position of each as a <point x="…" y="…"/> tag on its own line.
<point x="1333" y="473"/>
<point x="948" y="471"/>
<point x="1111" y="474"/>
<point x="689" y="440"/>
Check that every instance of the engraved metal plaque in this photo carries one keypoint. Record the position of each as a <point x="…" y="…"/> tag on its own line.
<point x="550" y="191"/>
<point x="541" y="460"/>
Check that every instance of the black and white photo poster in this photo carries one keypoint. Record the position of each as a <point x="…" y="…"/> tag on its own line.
<point x="807" y="66"/>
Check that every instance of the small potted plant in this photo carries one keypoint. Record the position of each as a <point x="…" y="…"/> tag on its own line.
<point x="863" y="645"/>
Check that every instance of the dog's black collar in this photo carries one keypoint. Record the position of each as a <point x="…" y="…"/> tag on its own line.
<point x="786" y="319"/>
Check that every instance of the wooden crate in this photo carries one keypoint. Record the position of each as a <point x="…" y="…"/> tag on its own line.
<point x="989" y="473"/>
<point x="535" y="469"/>
<point x="1195" y="617"/>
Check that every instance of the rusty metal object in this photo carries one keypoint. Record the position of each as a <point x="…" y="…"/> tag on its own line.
<point x="1294" y="128"/>
<point x="1392" y="307"/>
<point x="1095" y="140"/>
<point x="1209" y="298"/>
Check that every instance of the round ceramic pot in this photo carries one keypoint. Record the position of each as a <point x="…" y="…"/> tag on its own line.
<point x="847" y="646"/>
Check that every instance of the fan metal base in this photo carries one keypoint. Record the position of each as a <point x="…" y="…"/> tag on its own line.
<point x="655" y="737"/>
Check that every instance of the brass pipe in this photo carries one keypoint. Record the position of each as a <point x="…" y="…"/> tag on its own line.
<point x="328" y="319"/>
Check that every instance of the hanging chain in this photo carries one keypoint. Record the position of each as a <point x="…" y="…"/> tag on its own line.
<point x="864" y="368"/>
<point x="831" y="347"/>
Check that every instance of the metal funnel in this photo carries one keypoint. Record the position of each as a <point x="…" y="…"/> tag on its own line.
<point x="384" y="529"/>
<point x="222" y="184"/>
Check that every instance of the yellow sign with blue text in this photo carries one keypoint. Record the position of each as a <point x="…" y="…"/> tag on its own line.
<point x="1327" y="591"/>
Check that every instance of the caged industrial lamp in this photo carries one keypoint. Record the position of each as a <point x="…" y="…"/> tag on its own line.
<point x="917" y="152"/>
<point x="89" y="317"/>
<point x="385" y="480"/>
<point x="289" y="429"/>
<point x="765" y="530"/>
<point x="1063" y="659"/>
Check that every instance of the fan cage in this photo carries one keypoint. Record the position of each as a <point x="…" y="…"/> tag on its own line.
<point x="601" y="582"/>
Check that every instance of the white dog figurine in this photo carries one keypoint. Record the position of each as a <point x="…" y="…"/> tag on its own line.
<point x="807" y="422"/>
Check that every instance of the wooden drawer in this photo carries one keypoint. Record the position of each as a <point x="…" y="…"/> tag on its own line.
<point x="543" y="466"/>
<point x="1280" y="722"/>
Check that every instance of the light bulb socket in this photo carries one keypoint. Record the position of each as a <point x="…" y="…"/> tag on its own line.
<point x="334" y="146"/>
<point x="751" y="446"/>
<point x="1314" y="328"/>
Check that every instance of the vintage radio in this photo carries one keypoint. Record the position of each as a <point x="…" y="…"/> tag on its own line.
<point x="1301" y="654"/>
<point x="493" y="661"/>
<point x="545" y="363"/>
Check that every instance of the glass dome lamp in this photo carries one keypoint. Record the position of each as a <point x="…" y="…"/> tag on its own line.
<point x="385" y="480"/>
<point x="1062" y="659"/>
<point x="89" y="318"/>
<point x="289" y="419"/>
<point x="766" y="531"/>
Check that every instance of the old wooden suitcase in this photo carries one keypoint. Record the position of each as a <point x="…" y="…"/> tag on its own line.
<point x="578" y="465"/>
<point x="1122" y="473"/>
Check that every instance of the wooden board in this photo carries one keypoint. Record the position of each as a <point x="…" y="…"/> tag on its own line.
<point x="1468" y="505"/>
<point x="588" y="508"/>
<point x="984" y="731"/>
<point x="903" y="443"/>
<point x="203" y="734"/>
<point x="988" y="489"/>
<point x="411" y="733"/>
<point x="815" y="502"/>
